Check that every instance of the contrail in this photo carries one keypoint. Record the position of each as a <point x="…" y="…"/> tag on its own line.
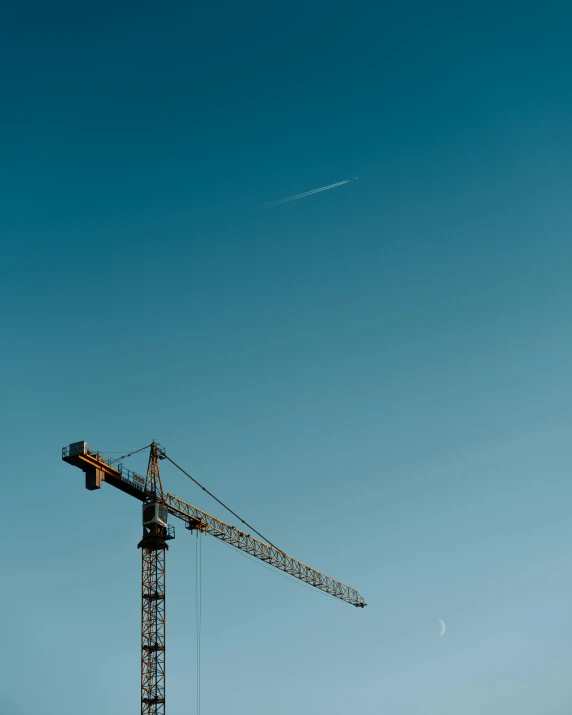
<point x="305" y="193"/>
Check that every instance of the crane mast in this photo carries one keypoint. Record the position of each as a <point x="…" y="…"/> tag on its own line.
<point x="156" y="507"/>
<point x="153" y="547"/>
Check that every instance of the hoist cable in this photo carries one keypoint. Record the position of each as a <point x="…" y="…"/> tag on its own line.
<point x="223" y="505"/>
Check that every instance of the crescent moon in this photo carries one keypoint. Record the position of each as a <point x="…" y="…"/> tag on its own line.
<point x="443" y="627"/>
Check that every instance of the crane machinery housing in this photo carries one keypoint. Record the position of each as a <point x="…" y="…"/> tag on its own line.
<point x="157" y="532"/>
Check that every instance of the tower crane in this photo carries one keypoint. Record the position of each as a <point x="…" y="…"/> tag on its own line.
<point x="157" y="532"/>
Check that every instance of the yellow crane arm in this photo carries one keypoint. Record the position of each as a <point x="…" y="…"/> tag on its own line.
<point x="198" y="519"/>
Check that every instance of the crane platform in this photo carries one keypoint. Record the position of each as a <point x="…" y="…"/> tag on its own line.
<point x="99" y="468"/>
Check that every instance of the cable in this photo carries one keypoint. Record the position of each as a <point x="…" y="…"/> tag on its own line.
<point x="222" y="504"/>
<point x="199" y="611"/>
<point x="118" y="459"/>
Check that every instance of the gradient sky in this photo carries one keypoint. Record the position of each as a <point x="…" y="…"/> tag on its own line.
<point x="377" y="377"/>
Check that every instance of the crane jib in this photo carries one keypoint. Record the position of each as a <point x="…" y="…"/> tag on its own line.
<point x="269" y="554"/>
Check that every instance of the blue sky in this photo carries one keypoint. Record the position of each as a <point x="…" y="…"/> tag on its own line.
<point x="376" y="377"/>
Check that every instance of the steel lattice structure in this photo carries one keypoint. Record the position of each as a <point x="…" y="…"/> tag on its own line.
<point x="260" y="550"/>
<point x="153" y="547"/>
<point x="157" y="506"/>
<point x="153" y="632"/>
